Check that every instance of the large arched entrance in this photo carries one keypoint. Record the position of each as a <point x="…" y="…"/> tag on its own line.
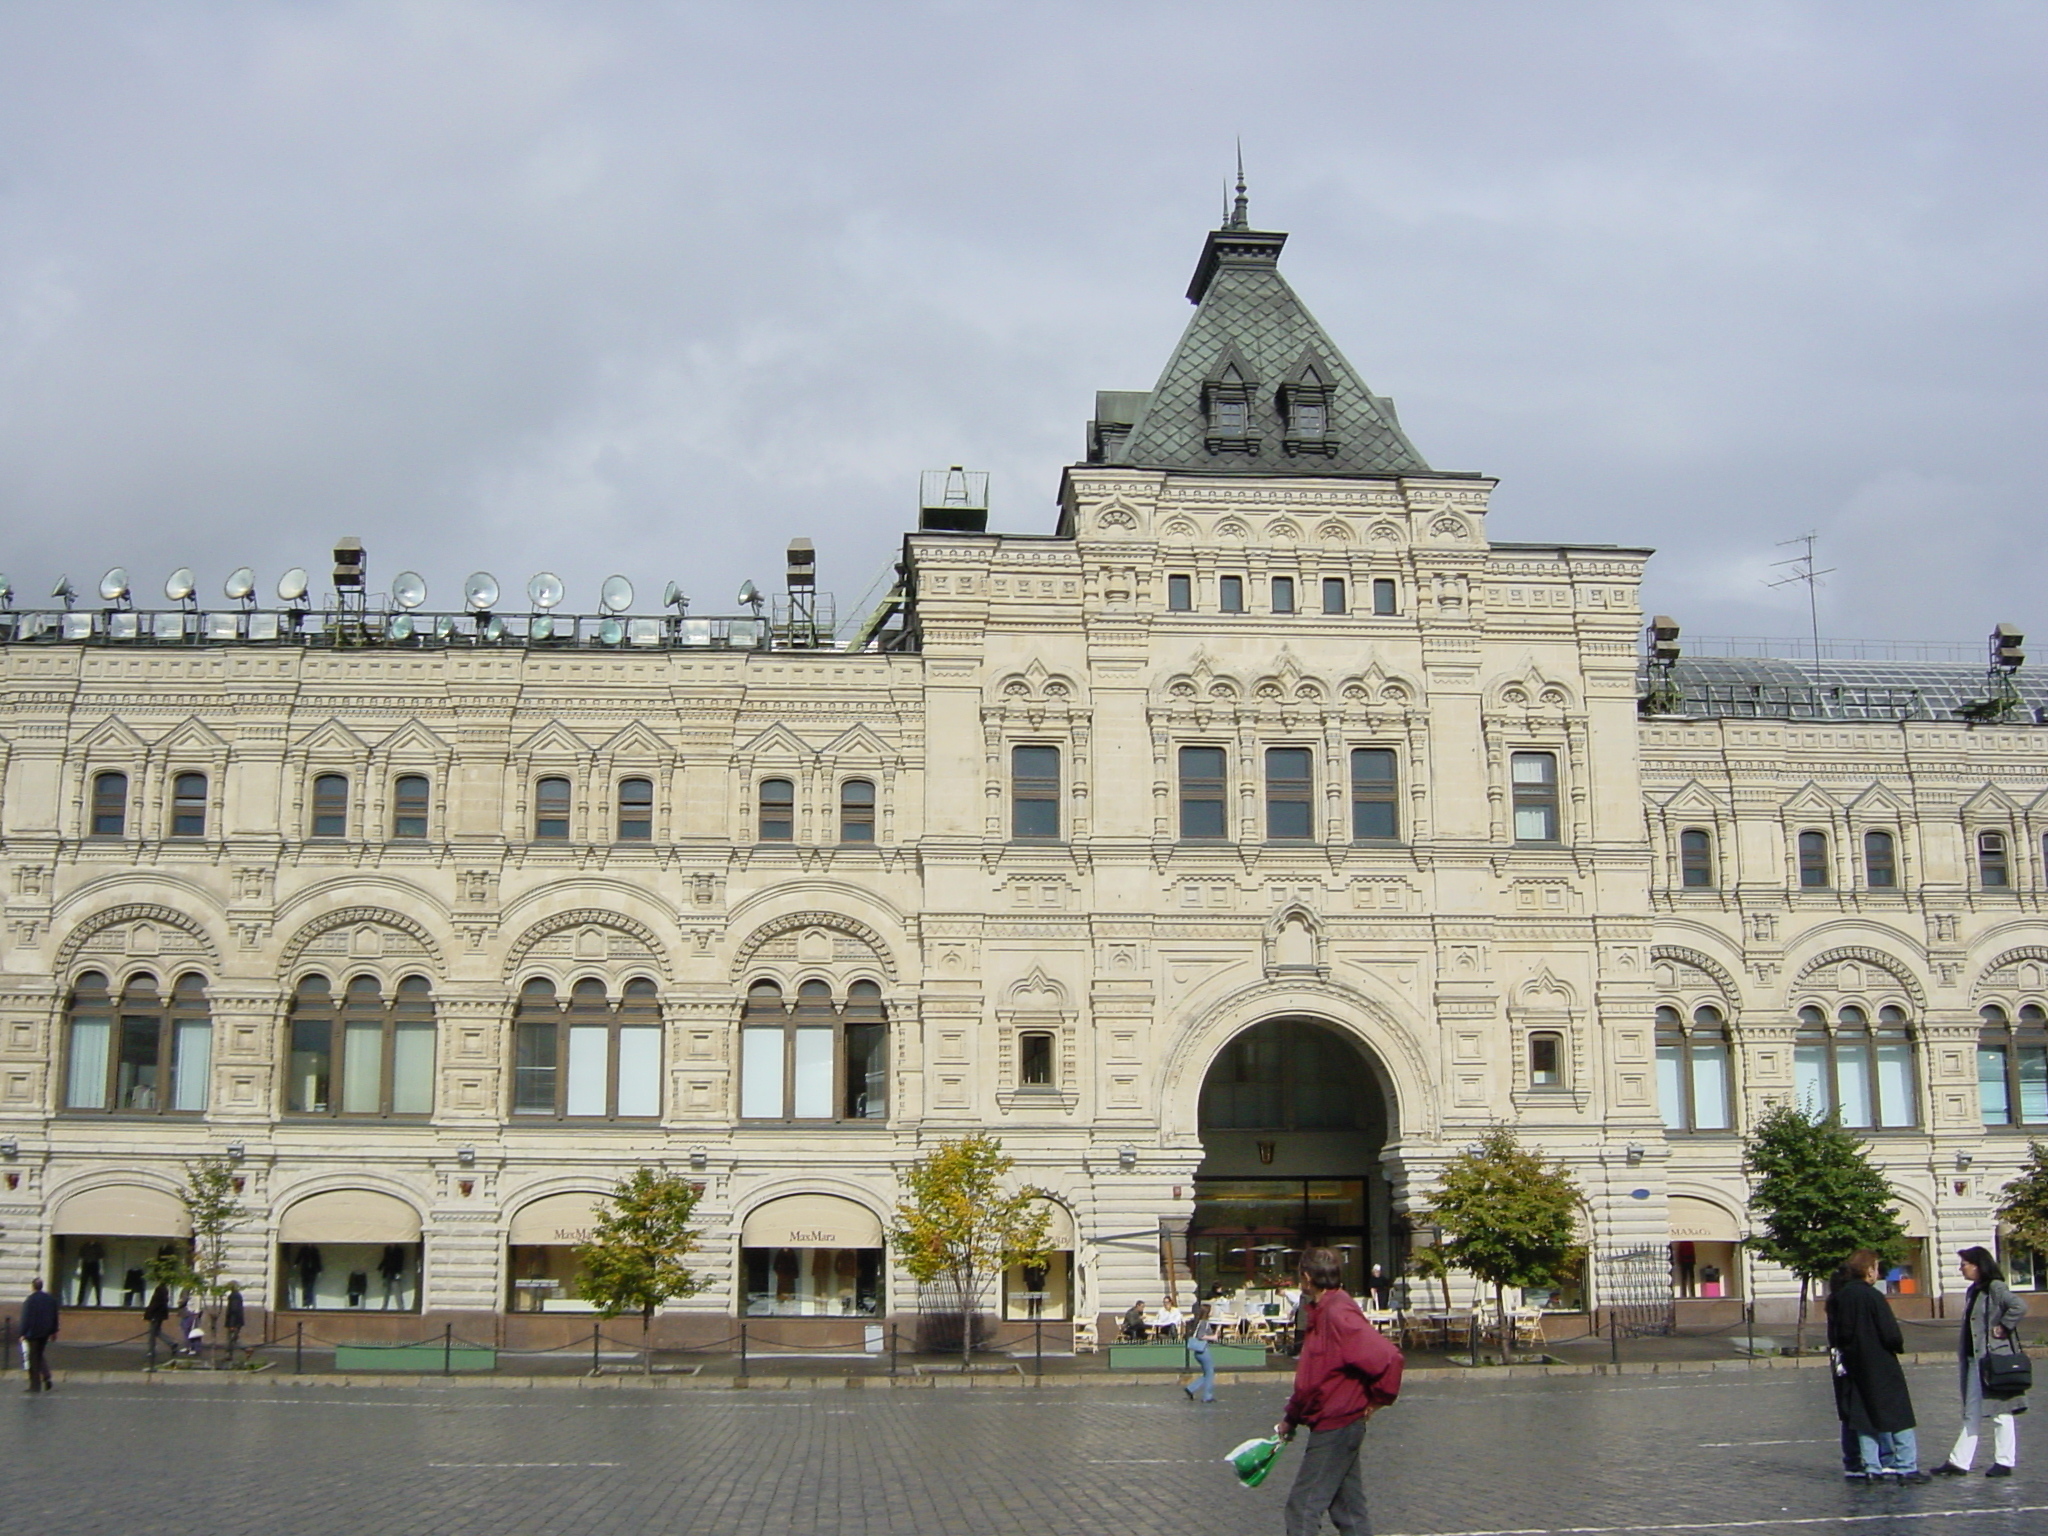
<point x="1293" y="1119"/>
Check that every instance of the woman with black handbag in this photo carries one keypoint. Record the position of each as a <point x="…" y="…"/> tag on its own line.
<point x="1992" y="1366"/>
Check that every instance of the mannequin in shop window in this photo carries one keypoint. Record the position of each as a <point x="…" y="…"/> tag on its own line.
<point x="358" y="1286"/>
<point x="133" y="1288"/>
<point x="787" y="1269"/>
<point x="391" y="1268"/>
<point x="91" y="1261"/>
<point x="309" y="1267"/>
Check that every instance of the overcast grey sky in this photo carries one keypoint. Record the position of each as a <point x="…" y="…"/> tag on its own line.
<point x="653" y="288"/>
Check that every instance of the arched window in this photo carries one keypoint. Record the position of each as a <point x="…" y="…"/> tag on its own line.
<point x="372" y="1054"/>
<point x="1880" y="862"/>
<point x="330" y="806"/>
<point x="591" y="1061"/>
<point x="551" y="811"/>
<point x="1814" y="873"/>
<point x="2012" y="1066"/>
<point x="857" y="811"/>
<point x="1696" y="859"/>
<point x="1693" y="1070"/>
<point x="142" y="1053"/>
<point x="188" y="805"/>
<point x="821" y="1060"/>
<point x="636" y="810"/>
<point x="109" y="804"/>
<point x="1846" y="1068"/>
<point x="778" y="811"/>
<point x="409" y="801"/>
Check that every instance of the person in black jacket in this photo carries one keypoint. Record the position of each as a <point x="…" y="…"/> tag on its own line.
<point x="1870" y="1384"/>
<point x="156" y="1314"/>
<point x="38" y="1327"/>
<point x="234" y="1317"/>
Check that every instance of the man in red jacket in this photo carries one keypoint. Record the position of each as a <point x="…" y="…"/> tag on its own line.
<point x="1347" y="1372"/>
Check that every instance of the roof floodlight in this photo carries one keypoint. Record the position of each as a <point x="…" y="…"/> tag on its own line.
<point x="240" y="583"/>
<point x="64" y="590"/>
<point x="750" y="595"/>
<point x="672" y="596"/>
<point x="408" y="589"/>
<point x="542" y="628"/>
<point x="611" y="632"/>
<point x="444" y="626"/>
<point x="400" y="627"/>
<point x="2006" y="652"/>
<point x="6" y="591"/>
<point x="494" y="629"/>
<point x="180" y="584"/>
<point x="291" y="586"/>
<point x="480" y="591"/>
<point x="545" y="590"/>
<point x="114" y="585"/>
<point x="616" y="594"/>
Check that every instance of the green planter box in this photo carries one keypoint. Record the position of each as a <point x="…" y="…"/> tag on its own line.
<point x="1175" y="1357"/>
<point x="413" y="1357"/>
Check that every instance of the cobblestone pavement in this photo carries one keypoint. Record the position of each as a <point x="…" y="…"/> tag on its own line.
<point x="1701" y="1453"/>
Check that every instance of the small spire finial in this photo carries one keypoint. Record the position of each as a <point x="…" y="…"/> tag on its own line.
<point x="1239" y="218"/>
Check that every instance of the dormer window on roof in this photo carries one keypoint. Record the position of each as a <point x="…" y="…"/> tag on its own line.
<point x="1305" y="408"/>
<point x="1227" y="397"/>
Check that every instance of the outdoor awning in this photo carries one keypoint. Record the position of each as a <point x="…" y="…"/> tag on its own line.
<point x="122" y="1210"/>
<point x="1701" y="1221"/>
<point x="555" y="1220"/>
<point x="1914" y="1222"/>
<point x="1059" y="1230"/>
<point x="811" y="1221"/>
<point x="350" y="1216"/>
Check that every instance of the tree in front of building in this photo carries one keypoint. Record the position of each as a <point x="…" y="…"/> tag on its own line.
<point x="1508" y="1217"/>
<point x="1427" y="1264"/>
<point x="958" y="1226"/>
<point x="637" y="1255"/>
<point x="2023" y="1206"/>
<point x="213" y="1209"/>
<point x="1816" y="1197"/>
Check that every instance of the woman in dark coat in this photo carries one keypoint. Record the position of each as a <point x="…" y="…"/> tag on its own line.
<point x="1991" y="1320"/>
<point x="156" y="1314"/>
<point x="1870" y="1384"/>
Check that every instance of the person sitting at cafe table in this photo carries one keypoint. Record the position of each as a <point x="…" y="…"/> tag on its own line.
<point x="1134" y="1321"/>
<point x="1167" y="1320"/>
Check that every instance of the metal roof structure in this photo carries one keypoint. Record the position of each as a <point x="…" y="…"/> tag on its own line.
<point x="1768" y="688"/>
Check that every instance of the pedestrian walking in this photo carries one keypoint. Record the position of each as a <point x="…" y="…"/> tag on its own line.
<point x="188" y="1318"/>
<point x="1347" y="1372"/>
<point x="156" y="1314"/>
<point x="1864" y="1342"/>
<point x="1200" y="1330"/>
<point x="1991" y="1320"/>
<point x="234" y="1317"/>
<point x="38" y="1327"/>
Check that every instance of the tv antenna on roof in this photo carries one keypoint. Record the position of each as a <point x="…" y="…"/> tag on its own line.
<point x="1804" y="572"/>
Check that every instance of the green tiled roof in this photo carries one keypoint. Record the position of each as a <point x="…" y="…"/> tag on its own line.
<point x="1243" y="303"/>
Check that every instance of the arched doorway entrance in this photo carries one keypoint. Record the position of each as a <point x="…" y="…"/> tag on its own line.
<point x="1293" y="1119"/>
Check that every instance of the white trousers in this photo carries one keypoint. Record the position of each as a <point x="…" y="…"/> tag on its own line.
<point x="2005" y="1441"/>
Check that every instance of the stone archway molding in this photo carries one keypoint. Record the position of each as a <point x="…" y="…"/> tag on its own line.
<point x="835" y="922"/>
<point x="352" y="917"/>
<point x="586" y="917"/>
<point x="132" y="912"/>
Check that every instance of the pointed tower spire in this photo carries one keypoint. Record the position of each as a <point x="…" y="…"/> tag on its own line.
<point x="1240" y="215"/>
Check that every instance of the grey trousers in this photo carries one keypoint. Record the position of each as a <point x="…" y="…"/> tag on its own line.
<point x="1329" y="1480"/>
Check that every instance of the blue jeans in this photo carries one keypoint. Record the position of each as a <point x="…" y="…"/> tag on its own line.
<point x="1895" y="1452"/>
<point x="1200" y="1350"/>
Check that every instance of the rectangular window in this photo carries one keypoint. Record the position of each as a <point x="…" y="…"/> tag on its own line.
<point x="1375" y="810"/>
<point x="1035" y="792"/>
<point x="1230" y="593"/>
<point x="1333" y="594"/>
<point x="88" y="1085"/>
<point x="1696" y="859"/>
<point x="761" y="1073"/>
<point x="188" y="805"/>
<point x="1994" y="1096"/>
<point x="1180" y="594"/>
<point x="1383" y="597"/>
<point x="1231" y="416"/>
<point x="551" y="811"/>
<point x="1810" y="1077"/>
<point x="1852" y="1084"/>
<point x="1991" y="867"/>
<point x="1671" y="1085"/>
<point x="589" y="1061"/>
<point x="636" y="810"/>
<point x="640" y="1070"/>
<point x="1535" y="787"/>
<point x="1290" y="794"/>
<point x="1034" y="1059"/>
<point x="1546" y="1061"/>
<point x="533" y="1067"/>
<point x="857" y="811"/>
<point x="1894" y="1083"/>
<point x="1710" y="1086"/>
<point x="1202" y="793"/>
<point x="2033" y="1075"/>
<point x="1880" y="868"/>
<point x="1283" y="594"/>
<point x="409" y="807"/>
<point x="812" y="1063"/>
<point x="110" y="805"/>
<point x="778" y="811"/>
<point x="330" y="806"/>
<point x="412" y="1067"/>
<point x="1814" y="874"/>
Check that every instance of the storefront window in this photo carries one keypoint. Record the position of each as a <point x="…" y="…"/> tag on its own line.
<point x="107" y="1271"/>
<point x="547" y="1277"/>
<point x="1039" y="1292"/>
<point x="812" y="1282"/>
<point x="350" y="1277"/>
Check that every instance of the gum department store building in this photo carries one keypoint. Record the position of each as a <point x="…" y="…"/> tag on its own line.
<point x="1235" y="852"/>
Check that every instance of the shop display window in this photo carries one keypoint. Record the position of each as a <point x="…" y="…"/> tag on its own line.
<point x="547" y="1277"/>
<point x="350" y="1277"/>
<point x="812" y="1282"/>
<point x="1039" y="1292"/>
<point x="110" y="1272"/>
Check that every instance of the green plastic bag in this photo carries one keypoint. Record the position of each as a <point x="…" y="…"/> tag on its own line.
<point x="1254" y="1459"/>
